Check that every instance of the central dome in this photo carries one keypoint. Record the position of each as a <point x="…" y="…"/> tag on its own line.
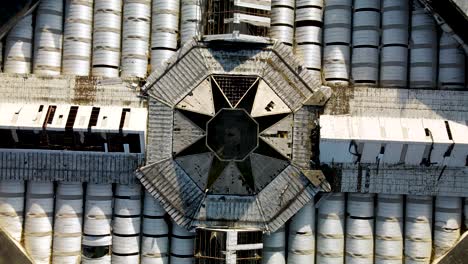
<point x="225" y="128"/>
<point x="232" y="134"/>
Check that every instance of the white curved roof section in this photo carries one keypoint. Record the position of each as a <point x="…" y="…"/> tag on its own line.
<point x="399" y="141"/>
<point x="59" y="118"/>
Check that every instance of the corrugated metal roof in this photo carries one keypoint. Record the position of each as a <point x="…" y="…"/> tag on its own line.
<point x="195" y="61"/>
<point x="230" y="212"/>
<point x="68" y="89"/>
<point x="402" y="103"/>
<point x="176" y="191"/>
<point x="197" y="166"/>
<point x="285" y="196"/>
<point x="69" y="166"/>
<point x="191" y="207"/>
<point x="171" y="84"/>
<point x="402" y="179"/>
<point x="159" y="131"/>
<point x="249" y="61"/>
<point x="280" y="136"/>
<point x="265" y="169"/>
<point x="304" y="122"/>
<point x="185" y="132"/>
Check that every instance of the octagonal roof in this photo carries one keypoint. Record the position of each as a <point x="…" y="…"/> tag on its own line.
<point x="232" y="134"/>
<point x="261" y="182"/>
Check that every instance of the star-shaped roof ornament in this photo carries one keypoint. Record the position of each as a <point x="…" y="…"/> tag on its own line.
<point x="231" y="138"/>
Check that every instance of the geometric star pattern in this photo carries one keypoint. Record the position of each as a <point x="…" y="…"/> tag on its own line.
<point x="206" y="106"/>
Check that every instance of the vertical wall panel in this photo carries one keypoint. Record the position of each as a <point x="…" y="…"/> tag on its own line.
<point x="39" y="220"/>
<point x="155" y="235"/>
<point x="447" y="223"/>
<point x="77" y="37"/>
<point x="423" y="49"/>
<point x="48" y="38"/>
<point x="191" y="20"/>
<point x="301" y="241"/>
<point x="394" y="52"/>
<point x="126" y="224"/>
<point x="274" y="248"/>
<point x="164" y="30"/>
<point x="360" y="229"/>
<point x="12" y="208"/>
<point x="18" y="50"/>
<point x="68" y="223"/>
<point x="136" y="37"/>
<point x="366" y="40"/>
<point x="418" y="229"/>
<point x="389" y="229"/>
<point x="97" y="239"/>
<point x="451" y="63"/>
<point x="337" y="40"/>
<point x="282" y="21"/>
<point x="182" y="245"/>
<point x="308" y="35"/>
<point x="330" y="230"/>
<point x="107" y="32"/>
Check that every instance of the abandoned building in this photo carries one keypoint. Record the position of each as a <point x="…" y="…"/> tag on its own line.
<point x="233" y="131"/>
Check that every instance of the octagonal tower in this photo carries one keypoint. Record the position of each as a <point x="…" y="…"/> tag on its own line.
<point x="229" y="136"/>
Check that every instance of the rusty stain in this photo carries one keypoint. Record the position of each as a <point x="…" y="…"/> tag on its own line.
<point x="85" y="90"/>
<point x="338" y="104"/>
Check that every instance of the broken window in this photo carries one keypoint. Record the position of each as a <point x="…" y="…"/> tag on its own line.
<point x="7" y="139"/>
<point x="50" y="115"/>
<point x="94" y="117"/>
<point x="69" y="140"/>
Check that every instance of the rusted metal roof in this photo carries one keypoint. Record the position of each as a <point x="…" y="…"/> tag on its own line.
<point x="401" y="179"/>
<point x="69" y="166"/>
<point x="191" y="207"/>
<point x="174" y="188"/>
<point x="68" y="89"/>
<point x="275" y="64"/>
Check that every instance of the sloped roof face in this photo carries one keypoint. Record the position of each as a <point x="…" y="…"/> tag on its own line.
<point x="225" y="126"/>
<point x="275" y="64"/>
